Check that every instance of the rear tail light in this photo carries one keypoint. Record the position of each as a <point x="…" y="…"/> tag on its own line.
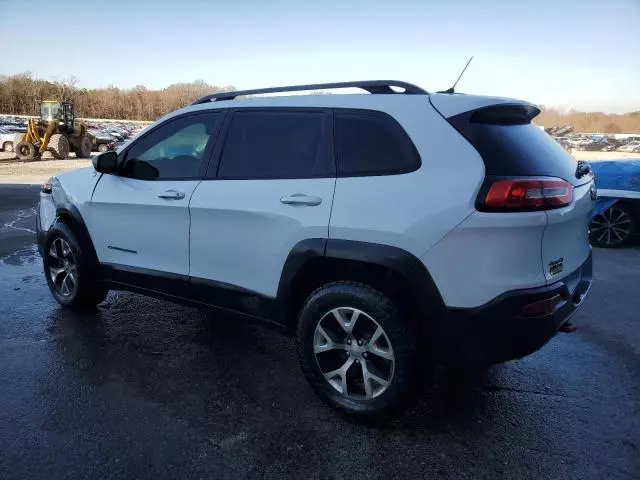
<point x="524" y="194"/>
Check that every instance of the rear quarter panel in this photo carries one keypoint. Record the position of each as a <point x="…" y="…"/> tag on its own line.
<point x="412" y="211"/>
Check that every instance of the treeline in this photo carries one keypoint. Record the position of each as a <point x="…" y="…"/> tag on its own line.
<point x="20" y="93"/>
<point x="590" y="122"/>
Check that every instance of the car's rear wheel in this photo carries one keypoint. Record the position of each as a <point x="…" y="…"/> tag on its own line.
<point x="357" y="351"/>
<point x="8" y="147"/>
<point x="70" y="271"/>
<point x="612" y="228"/>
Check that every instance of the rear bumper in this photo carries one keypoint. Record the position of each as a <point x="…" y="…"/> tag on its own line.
<point x="497" y="332"/>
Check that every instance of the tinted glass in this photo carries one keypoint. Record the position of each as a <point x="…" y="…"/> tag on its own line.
<point x="175" y="150"/>
<point x="276" y="144"/>
<point x="518" y="150"/>
<point x="372" y="144"/>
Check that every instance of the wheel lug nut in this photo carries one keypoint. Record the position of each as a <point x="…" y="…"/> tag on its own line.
<point x="365" y="354"/>
<point x="360" y="343"/>
<point x="348" y="341"/>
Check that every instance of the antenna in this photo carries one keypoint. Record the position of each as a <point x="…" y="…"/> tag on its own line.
<point x="452" y="89"/>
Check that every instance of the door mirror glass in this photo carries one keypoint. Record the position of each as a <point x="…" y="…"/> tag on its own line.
<point x="106" y="162"/>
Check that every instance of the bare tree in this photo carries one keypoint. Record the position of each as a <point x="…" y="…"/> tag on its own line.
<point x="66" y="88"/>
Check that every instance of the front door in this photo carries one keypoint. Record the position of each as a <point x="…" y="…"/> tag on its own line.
<point x="273" y="189"/>
<point x="139" y="219"/>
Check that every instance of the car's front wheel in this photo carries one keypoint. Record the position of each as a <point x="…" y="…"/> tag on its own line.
<point x="70" y="271"/>
<point x="357" y="351"/>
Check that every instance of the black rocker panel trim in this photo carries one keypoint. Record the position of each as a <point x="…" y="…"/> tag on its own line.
<point x="192" y="291"/>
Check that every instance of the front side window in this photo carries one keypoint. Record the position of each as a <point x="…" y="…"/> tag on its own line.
<point x="176" y="150"/>
<point x="276" y="144"/>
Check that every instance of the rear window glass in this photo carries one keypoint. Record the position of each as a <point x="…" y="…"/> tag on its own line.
<point x="372" y="143"/>
<point x="518" y="150"/>
<point x="276" y="144"/>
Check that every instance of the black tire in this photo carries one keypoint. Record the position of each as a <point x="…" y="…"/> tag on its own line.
<point x="84" y="147"/>
<point x="59" y="146"/>
<point x="103" y="147"/>
<point x="26" y="151"/>
<point x="614" y="227"/>
<point x="7" y="147"/>
<point x="87" y="291"/>
<point x="403" y="383"/>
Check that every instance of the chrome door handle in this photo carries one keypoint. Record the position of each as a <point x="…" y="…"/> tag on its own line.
<point x="171" y="195"/>
<point x="301" y="199"/>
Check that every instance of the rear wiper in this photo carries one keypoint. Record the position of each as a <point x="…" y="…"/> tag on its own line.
<point x="583" y="169"/>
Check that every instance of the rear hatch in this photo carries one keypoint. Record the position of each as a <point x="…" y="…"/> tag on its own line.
<point x="526" y="170"/>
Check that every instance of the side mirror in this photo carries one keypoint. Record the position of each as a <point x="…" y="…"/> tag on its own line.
<point x="106" y="162"/>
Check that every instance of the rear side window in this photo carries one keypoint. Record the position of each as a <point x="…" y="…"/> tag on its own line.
<point x="277" y="144"/>
<point x="511" y="145"/>
<point x="372" y="143"/>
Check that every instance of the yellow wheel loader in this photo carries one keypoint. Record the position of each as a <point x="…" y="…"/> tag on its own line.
<point x="55" y="131"/>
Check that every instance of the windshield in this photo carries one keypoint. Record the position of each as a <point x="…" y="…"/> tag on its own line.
<point x="49" y="111"/>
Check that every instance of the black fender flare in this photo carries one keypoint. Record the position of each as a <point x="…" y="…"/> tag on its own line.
<point x="405" y="265"/>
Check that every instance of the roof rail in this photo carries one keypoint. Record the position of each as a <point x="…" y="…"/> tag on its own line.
<point x="371" y="86"/>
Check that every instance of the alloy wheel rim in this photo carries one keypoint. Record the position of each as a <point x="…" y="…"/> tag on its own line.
<point x="611" y="226"/>
<point x="353" y="353"/>
<point x="62" y="268"/>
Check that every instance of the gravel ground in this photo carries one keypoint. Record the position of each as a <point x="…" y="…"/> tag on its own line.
<point x="13" y="171"/>
<point x="142" y="388"/>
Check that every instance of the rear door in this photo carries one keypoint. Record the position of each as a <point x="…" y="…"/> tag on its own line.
<point x="139" y="219"/>
<point x="514" y="148"/>
<point x="272" y="188"/>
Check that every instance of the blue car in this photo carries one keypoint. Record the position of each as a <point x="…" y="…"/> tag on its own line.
<point x="616" y="217"/>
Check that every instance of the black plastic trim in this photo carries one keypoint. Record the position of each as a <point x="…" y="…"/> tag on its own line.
<point x="301" y="253"/>
<point x="403" y="263"/>
<point x="231" y="297"/>
<point x="165" y="282"/>
<point x="371" y="86"/>
<point x="196" y="290"/>
<point x="496" y="332"/>
<point x="120" y="249"/>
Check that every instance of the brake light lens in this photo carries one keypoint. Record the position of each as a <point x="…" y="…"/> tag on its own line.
<point x="526" y="194"/>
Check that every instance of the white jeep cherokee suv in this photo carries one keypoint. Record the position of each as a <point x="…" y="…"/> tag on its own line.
<point x="384" y="230"/>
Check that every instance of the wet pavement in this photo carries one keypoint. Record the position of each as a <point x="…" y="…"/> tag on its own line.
<point x="145" y="389"/>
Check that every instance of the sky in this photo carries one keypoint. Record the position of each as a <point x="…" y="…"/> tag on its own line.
<point x="577" y="54"/>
